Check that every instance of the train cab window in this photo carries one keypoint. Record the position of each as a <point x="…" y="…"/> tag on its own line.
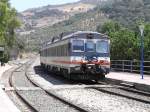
<point x="102" y="47"/>
<point x="78" y="45"/>
<point x="90" y="46"/>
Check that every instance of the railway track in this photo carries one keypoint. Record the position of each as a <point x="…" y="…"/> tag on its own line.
<point x="50" y="97"/>
<point x="93" y="85"/>
<point x="53" y="94"/>
<point x="12" y="84"/>
<point x="127" y="91"/>
<point x="32" y="107"/>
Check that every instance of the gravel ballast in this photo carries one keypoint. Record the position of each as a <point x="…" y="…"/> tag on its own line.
<point x="38" y="99"/>
<point x="18" y="102"/>
<point x="20" y="80"/>
<point x="96" y="101"/>
<point x="127" y="93"/>
<point x="45" y="103"/>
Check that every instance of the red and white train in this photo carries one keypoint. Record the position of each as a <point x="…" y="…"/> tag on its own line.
<point x="82" y="55"/>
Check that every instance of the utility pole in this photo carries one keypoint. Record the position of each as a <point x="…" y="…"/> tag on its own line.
<point x="141" y="27"/>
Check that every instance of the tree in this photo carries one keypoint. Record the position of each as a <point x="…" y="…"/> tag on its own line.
<point x="109" y="27"/>
<point x="147" y="41"/>
<point x="8" y="24"/>
<point x="127" y="12"/>
<point x="124" y="44"/>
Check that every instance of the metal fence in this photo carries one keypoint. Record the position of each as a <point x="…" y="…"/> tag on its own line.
<point x="130" y="66"/>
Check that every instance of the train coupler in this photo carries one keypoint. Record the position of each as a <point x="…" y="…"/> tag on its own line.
<point x="93" y="69"/>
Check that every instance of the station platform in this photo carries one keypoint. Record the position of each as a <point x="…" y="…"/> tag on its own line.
<point x="6" y="105"/>
<point x="131" y="78"/>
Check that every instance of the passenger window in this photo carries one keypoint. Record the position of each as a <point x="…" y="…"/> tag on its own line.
<point x="78" y="45"/>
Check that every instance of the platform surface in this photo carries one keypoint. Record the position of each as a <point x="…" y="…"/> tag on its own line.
<point x="6" y="105"/>
<point x="129" y="77"/>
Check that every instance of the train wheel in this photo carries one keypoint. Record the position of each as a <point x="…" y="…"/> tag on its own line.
<point x="96" y="80"/>
<point x="102" y="77"/>
<point x="65" y="73"/>
<point x="61" y="72"/>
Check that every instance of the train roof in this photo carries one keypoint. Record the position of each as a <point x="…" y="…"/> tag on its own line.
<point x="82" y="32"/>
<point x="67" y="35"/>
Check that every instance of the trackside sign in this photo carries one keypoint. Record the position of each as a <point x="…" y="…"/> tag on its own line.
<point x="1" y="48"/>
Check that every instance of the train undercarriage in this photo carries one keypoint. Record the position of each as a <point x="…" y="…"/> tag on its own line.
<point x="82" y="72"/>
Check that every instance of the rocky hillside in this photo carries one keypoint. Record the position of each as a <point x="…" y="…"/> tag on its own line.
<point x="92" y="1"/>
<point x="49" y="15"/>
<point x="40" y="24"/>
<point x="127" y="13"/>
<point x="84" y="21"/>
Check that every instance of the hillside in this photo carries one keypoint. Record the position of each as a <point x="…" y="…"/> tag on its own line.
<point x="49" y="15"/>
<point x="128" y="12"/>
<point x="125" y="12"/>
<point x="92" y="1"/>
<point x="82" y="21"/>
<point x="39" y="24"/>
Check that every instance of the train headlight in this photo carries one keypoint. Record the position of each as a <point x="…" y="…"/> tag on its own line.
<point x="104" y="62"/>
<point x="83" y="59"/>
<point x="77" y="68"/>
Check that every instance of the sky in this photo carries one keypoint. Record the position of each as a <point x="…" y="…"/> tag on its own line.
<point x="21" y="5"/>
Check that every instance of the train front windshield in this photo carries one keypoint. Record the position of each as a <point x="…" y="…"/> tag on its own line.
<point x="90" y="46"/>
<point x="102" y="47"/>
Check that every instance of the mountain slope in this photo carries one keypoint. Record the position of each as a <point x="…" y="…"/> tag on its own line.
<point x="125" y="12"/>
<point x="128" y="12"/>
<point x="40" y="24"/>
<point x="92" y="1"/>
<point x="83" y="21"/>
<point x="49" y="15"/>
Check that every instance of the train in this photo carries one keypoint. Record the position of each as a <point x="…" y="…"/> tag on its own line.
<point x="80" y="55"/>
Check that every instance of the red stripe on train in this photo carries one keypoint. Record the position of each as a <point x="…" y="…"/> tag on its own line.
<point x="80" y="62"/>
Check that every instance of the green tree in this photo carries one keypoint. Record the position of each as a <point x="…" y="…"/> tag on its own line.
<point x="127" y="12"/>
<point x="109" y="27"/>
<point x="124" y="44"/>
<point x="8" y="24"/>
<point x="147" y="41"/>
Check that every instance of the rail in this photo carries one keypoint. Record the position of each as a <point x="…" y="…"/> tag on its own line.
<point x="129" y="66"/>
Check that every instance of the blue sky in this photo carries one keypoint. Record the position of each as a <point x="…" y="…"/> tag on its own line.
<point x="22" y="5"/>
